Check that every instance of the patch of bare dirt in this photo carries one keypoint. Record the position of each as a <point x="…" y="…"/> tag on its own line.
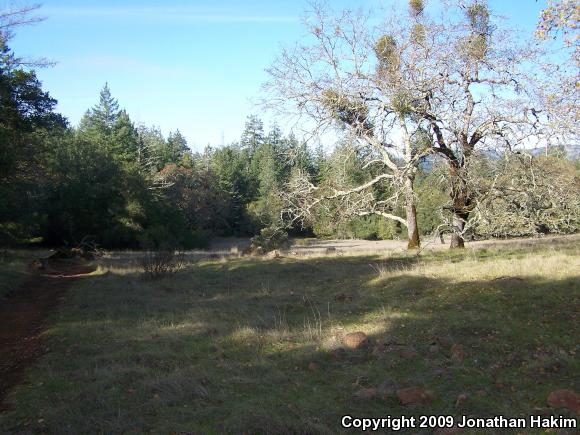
<point x="23" y="319"/>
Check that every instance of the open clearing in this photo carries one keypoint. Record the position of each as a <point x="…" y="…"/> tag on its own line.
<point x="250" y="345"/>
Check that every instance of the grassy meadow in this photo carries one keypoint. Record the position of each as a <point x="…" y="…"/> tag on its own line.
<point x="248" y="345"/>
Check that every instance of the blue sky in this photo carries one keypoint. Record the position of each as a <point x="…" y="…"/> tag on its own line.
<point x="194" y="65"/>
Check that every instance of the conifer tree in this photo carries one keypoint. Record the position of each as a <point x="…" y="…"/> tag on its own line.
<point x="125" y="140"/>
<point x="253" y="134"/>
<point x="177" y="146"/>
<point x="106" y="113"/>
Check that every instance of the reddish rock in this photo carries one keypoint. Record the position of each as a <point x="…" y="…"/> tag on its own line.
<point x="565" y="399"/>
<point x="457" y="353"/>
<point x="313" y="366"/>
<point x="367" y="393"/>
<point x="414" y="395"/>
<point x="356" y="340"/>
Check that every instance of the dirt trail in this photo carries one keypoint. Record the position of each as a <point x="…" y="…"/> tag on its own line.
<point x="23" y="316"/>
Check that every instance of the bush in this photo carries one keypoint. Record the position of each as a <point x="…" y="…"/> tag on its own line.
<point x="157" y="264"/>
<point x="270" y="239"/>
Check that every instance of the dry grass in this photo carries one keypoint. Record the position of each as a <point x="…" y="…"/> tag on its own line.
<point x="159" y="264"/>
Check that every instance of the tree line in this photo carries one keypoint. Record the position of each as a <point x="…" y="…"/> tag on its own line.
<point x="432" y="121"/>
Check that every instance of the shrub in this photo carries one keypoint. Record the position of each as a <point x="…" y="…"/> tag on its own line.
<point x="157" y="264"/>
<point x="160" y="258"/>
<point x="270" y="239"/>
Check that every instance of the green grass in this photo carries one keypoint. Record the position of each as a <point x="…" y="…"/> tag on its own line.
<point x="224" y="346"/>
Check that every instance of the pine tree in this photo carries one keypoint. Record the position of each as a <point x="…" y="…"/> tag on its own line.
<point x="105" y="114"/>
<point x="125" y="140"/>
<point x="253" y="135"/>
<point x="275" y="137"/>
<point x="177" y="145"/>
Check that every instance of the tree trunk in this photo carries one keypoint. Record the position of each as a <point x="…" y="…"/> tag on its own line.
<point x="459" y="220"/>
<point x="461" y="199"/>
<point x="411" y="212"/>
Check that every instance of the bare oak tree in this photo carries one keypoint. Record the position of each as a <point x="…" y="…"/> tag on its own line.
<point x="410" y="86"/>
<point x="353" y="81"/>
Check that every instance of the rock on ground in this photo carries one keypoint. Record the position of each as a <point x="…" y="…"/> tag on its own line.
<point x="565" y="399"/>
<point x="414" y="395"/>
<point x="356" y="340"/>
